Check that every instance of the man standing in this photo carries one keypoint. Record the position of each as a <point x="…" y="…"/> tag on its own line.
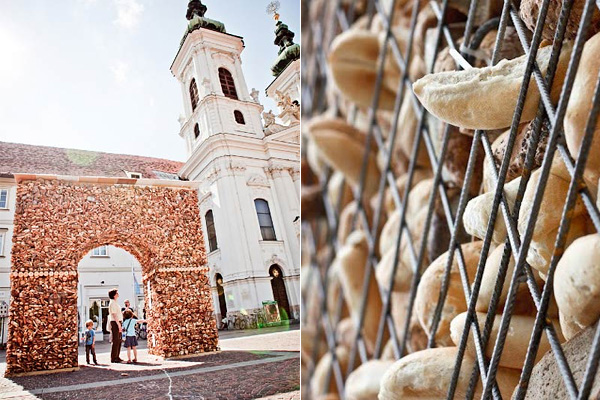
<point x="115" y="320"/>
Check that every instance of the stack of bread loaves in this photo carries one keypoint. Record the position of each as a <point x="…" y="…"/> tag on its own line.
<point x="409" y="250"/>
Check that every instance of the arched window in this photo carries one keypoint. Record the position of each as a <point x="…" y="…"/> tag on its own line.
<point x="194" y="94"/>
<point x="227" y="84"/>
<point x="264" y="219"/>
<point x="210" y="229"/>
<point x="196" y="131"/>
<point x="239" y="117"/>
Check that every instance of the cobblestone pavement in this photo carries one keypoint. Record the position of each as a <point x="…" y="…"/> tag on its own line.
<point x="260" y="366"/>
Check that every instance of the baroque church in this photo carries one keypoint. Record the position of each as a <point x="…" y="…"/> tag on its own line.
<point x="243" y="160"/>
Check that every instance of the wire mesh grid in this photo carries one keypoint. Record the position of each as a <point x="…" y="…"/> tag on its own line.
<point x="323" y="21"/>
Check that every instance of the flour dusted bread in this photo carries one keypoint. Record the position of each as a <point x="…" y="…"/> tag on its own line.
<point x="427" y="374"/>
<point x="517" y="338"/>
<point x="577" y="285"/>
<point x="429" y="290"/>
<point x="363" y="383"/>
<point x="342" y="146"/>
<point x="485" y="98"/>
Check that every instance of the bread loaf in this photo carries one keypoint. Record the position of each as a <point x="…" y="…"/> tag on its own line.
<point x="427" y="375"/>
<point x="341" y="145"/>
<point x="363" y="383"/>
<point x="517" y="338"/>
<point x="577" y="285"/>
<point x="353" y="63"/>
<point x="548" y="219"/>
<point x="351" y="261"/>
<point x="317" y="383"/>
<point x="485" y="98"/>
<point x="478" y="211"/>
<point x="429" y="290"/>
<point x="547" y="382"/>
<point x="580" y="105"/>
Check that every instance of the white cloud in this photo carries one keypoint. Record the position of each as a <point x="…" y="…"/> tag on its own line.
<point x="129" y="13"/>
<point x="120" y="70"/>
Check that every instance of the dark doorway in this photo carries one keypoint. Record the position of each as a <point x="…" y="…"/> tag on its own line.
<point x="279" y="292"/>
<point x="221" y="292"/>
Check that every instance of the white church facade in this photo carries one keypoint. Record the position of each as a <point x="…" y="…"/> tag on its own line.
<point x="244" y="161"/>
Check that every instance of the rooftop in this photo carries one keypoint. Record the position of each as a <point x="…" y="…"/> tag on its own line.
<point x="23" y="158"/>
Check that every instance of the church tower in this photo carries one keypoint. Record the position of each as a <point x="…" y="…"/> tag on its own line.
<point x="247" y="174"/>
<point x="215" y="95"/>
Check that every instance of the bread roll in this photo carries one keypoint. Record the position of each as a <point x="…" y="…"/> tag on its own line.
<point x="548" y="219"/>
<point x="580" y="105"/>
<point x="325" y="364"/>
<point x="341" y="145"/>
<point x="345" y="223"/>
<point x="405" y="268"/>
<point x="345" y="332"/>
<point x="524" y="304"/>
<point x="339" y="191"/>
<point x="351" y="261"/>
<point x="363" y="383"/>
<point x="486" y="98"/>
<point x="427" y="375"/>
<point x="517" y="338"/>
<point x="577" y="285"/>
<point x="429" y="290"/>
<point x="547" y="382"/>
<point x="353" y="63"/>
<point x="419" y="175"/>
<point x="478" y="211"/>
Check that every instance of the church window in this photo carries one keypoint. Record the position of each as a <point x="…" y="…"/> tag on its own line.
<point x="267" y="230"/>
<point x="227" y="84"/>
<point x="196" y="131"/>
<point x="194" y="94"/>
<point x="210" y="229"/>
<point x="239" y="117"/>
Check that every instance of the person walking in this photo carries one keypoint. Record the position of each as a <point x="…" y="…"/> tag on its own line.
<point x="115" y="321"/>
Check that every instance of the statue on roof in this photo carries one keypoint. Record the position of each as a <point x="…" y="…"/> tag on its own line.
<point x="195" y="7"/>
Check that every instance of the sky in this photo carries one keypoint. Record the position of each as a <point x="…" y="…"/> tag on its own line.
<point x="94" y="74"/>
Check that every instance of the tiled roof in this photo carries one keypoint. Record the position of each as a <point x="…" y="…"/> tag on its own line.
<point x="24" y="158"/>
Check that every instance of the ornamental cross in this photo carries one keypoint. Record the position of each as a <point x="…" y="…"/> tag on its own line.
<point x="273" y="8"/>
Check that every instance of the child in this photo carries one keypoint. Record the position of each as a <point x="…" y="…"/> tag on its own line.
<point x="129" y="322"/>
<point x="90" y="341"/>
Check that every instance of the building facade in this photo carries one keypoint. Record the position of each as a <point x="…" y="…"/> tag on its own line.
<point x="248" y="171"/>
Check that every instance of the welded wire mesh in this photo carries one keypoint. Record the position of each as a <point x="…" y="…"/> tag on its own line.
<point x="322" y="22"/>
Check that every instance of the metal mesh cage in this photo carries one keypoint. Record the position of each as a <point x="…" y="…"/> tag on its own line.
<point x="420" y="182"/>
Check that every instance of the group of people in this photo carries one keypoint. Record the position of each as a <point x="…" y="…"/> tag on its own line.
<point x="121" y="322"/>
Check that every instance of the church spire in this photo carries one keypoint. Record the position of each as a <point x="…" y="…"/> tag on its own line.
<point x="284" y="38"/>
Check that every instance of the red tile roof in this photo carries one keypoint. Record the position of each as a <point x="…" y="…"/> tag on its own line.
<point x="24" y="158"/>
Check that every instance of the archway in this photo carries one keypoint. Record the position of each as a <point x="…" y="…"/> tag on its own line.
<point x="279" y="291"/>
<point x="221" y="294"/>
<point x="58" y="220"/>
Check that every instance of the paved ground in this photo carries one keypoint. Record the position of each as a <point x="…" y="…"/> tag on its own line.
<point x="258" y="365"/>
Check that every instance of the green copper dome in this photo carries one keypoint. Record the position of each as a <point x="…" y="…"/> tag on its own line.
<point x="195" y="16"/>
<point x="288" y="50"/>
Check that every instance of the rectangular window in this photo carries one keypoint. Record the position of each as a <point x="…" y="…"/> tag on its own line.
<point x="101" y="251"/>
<point x="2" y="240"/>
<point x="134" y="175"/>
<point x="3" y="198"/>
